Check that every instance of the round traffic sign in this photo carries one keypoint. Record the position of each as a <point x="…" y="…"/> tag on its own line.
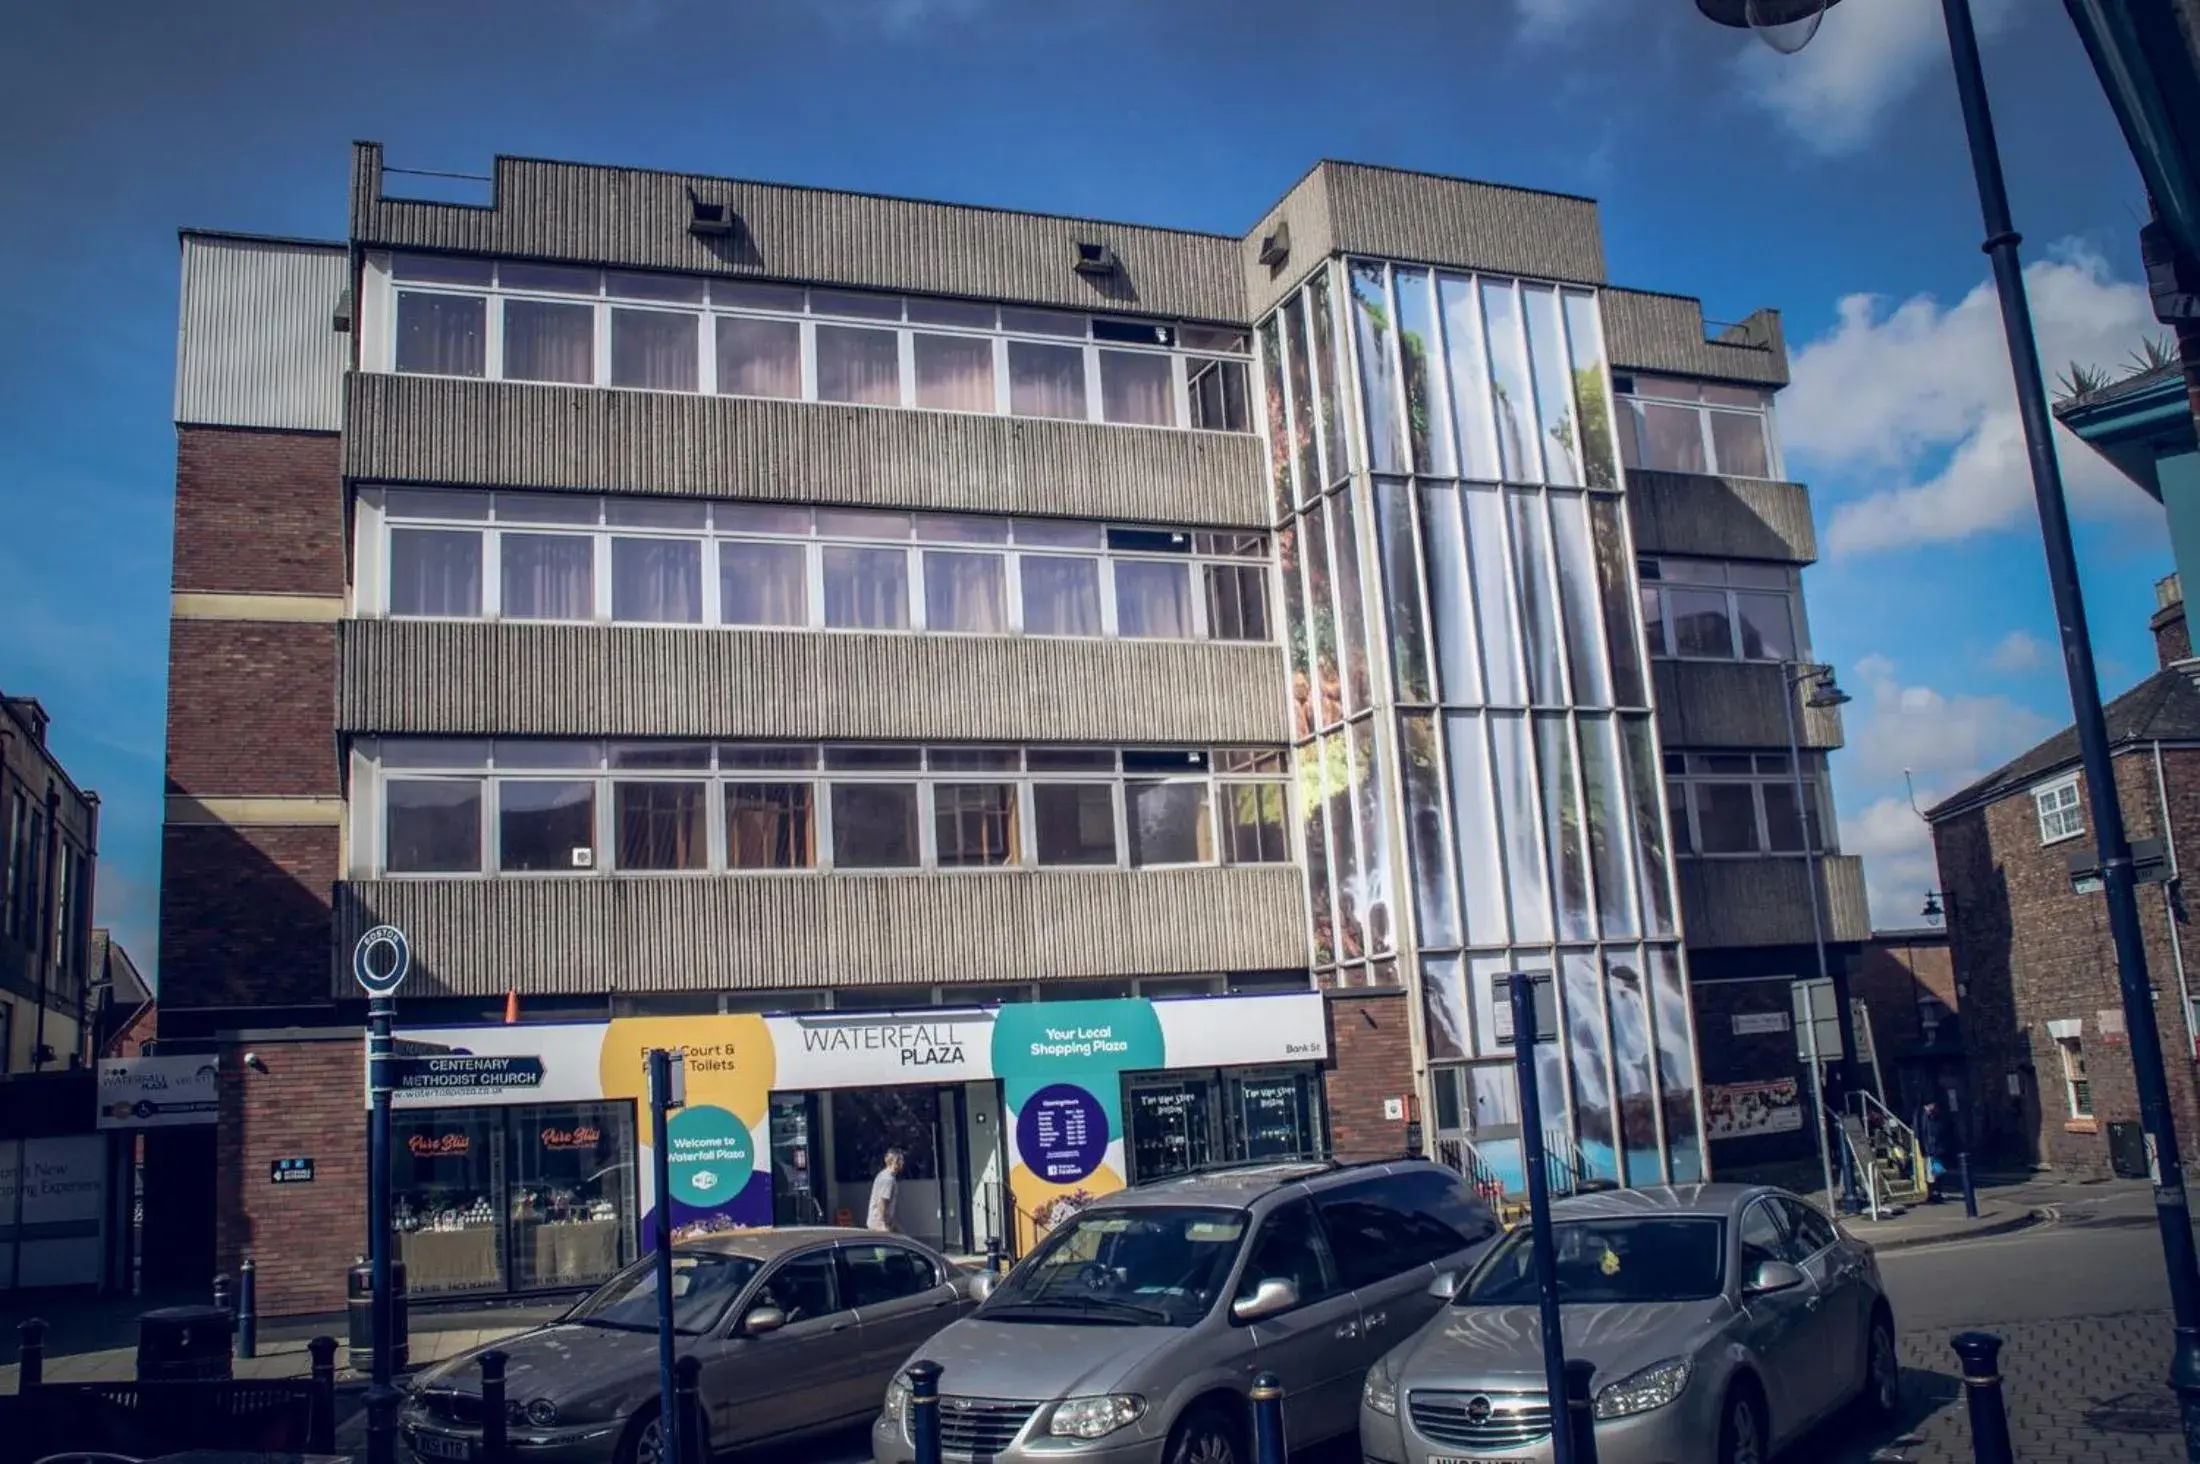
<point x="380" y="959"/>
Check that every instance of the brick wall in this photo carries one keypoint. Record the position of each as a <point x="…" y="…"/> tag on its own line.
<point x="1370" y="1059"/>
<point x="245" y="916"/>
<point x="310" y="1103"/>
<point x="2172" y="636"/>
<point x="2031" y="951"/>
<point x="252" y="709"/>
<point x="259" y="512"/>
<point x="1888" y="978"/>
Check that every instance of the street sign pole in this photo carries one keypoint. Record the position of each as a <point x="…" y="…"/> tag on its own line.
<point x="379" y="963"/>
<point x="1525" y="1033"/>
<point x="662" y="1100"/>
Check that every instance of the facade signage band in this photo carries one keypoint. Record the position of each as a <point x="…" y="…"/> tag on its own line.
<point x="158" y="1092"/>
<point x="448" y="1074"/>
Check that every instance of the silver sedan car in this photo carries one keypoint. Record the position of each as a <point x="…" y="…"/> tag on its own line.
<point x="1723" y="1321"/>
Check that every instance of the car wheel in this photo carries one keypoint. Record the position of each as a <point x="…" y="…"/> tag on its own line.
<point x="1882" y="1373"/>
<point x="644" y="1440"/>
<point x="1742" y="1430"/>
<point x="1206" y="1437"/>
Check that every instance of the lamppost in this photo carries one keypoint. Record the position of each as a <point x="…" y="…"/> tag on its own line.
<point x="1819" y="692"/>
<point x="1788" y="25"/>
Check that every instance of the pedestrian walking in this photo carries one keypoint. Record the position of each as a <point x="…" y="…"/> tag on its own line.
<point x="1932" y="1139"/>
<point x="885" y="1191"/>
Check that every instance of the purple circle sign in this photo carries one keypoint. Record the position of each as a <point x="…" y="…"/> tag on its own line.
<point x="1062" y="1132"/>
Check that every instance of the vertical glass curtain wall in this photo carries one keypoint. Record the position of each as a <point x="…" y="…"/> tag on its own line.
<point x="1460" y="595"/>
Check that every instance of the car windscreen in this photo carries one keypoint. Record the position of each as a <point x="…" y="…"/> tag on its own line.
<point x="1143" y="1266"/>
<point x="704" y="1284"/>
<point x="1607" y="1261"/>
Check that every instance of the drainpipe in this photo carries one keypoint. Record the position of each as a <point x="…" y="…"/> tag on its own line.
<point x="2169" y="908"/>
<point x="80" y="938"/>
<point x="43" y="931"/>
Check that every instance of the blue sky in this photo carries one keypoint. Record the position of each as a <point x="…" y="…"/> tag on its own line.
<point x="1832" y="185"/>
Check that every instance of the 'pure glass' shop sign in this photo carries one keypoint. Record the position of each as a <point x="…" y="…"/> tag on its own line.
<point x="466" y="1074"/>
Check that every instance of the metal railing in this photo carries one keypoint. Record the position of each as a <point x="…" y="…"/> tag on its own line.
<point x="1893" y="1159"/>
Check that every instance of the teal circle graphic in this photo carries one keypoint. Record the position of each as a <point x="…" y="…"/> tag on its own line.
<point x="711" y="1156"/>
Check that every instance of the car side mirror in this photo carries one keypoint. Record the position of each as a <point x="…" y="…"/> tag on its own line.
<point x="1447" y="1284"/>
<point x="982" y="1284"/>
<point x="762" y="1321"/>
<point x="1771" y="1276"/>
<point x="1269" y="1297"/>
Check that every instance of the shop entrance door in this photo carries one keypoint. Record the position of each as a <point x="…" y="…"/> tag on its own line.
<point x="1275" y="1112"/>
<point x="863" y="1125"/>
<point x="796" y="1173"/>
<point x="1172" y="1128"/>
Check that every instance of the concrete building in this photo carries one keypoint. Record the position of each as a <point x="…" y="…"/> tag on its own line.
<point x="2043" y="1022"/>
<point x="52" y="853"/>
<point x="1069" y="700"/>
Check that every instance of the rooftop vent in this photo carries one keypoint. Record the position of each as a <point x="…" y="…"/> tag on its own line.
<point x="1275" y="248"/>
<point x="1096" y="259"/>
<point x="707" y="218"/>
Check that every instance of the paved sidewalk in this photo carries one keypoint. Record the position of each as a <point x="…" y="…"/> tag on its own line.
<point x="2005" y="1203"/>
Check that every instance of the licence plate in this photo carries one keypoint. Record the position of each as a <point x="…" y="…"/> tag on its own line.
<point x="441" y="1446"/>
<point x="1476" y="1459"/>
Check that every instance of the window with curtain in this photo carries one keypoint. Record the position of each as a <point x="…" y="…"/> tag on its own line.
<point x="435" y="572"/>
<point x="547" y="576"/>
<point x="662" y="825"/>
<point x="654" y="349"/>
<point x="1046" y="381"/>
<point x="1153" y="601"/>
<point x="954" y="373"/>
<point x="1137" y="388"/>
<point x="763" y="584"/>
<point x="770" y="826"/>
<point x="866" y="589"/>
<point x="966" y="592"/>
<point x="858" y="365"/>
<point x="442" y="335"/>
<point x="759" y="358"/>
<point x="548" y="341"/>
<point x="1061" y="595"/>
<point x="657" y="581"/>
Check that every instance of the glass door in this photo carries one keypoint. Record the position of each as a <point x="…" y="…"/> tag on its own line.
<point x="571" y="1200"/>
<point x="1172" y="1128"/>
<point x="1274" y="1114"/>
<point x="445" y="1198"/>
<point x="795" y="1174"/>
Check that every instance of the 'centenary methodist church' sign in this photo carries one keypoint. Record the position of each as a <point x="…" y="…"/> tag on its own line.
<point x="1060" y="1066"/>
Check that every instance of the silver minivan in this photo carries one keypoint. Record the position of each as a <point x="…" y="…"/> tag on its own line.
<point x="1132" y="1334"/>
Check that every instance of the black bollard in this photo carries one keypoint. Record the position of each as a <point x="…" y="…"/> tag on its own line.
<point x="687" y="1396"/>
<point x="1268" y="1441"/>
<point x="321" y="1432"/>
<point x="31" y="1359"/>
<point x="248" y="1311"/>
<point x="222" y="1297"/>
<point x="496" y="1417"/>
<point x="1981" y="1353"/>
<point x="1970" y="1191"/>
<point x="993" y="1254"/>
<point x="1581" y="1410"/>
<point x="924" y="1409"/>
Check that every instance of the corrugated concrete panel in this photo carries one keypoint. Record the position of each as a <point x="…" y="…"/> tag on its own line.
<point x="735" y="933"/>
<point x="630" y="216"/>
<point x="1720" y="518"/>
<point x="1646" y="332"/>
<point x="419" y="429"/>
<point x="1734" y="704"/>
<point x="622" y="681"/>
<point x="257" y="344"/>
<point x="1727" y="903"/>
<point x="1393" y="214"/>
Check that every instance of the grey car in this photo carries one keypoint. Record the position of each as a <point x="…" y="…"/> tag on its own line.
<point x="1133" y="1332"/>
<point x="1723" y="1321"/>
<point x="797" y="1331"/>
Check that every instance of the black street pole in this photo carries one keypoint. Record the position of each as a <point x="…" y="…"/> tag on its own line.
<point x="2085" y="699"/>
<point x="1539" y="1211"/>
<point x="381" y="1395"/>
<point x="660" y="1171"/>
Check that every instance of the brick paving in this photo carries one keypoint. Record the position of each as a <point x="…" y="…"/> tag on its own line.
<point x="2081" y="1390"/>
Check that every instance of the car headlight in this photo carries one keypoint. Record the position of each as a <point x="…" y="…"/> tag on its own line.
<point x="1092" y="1418"/>
<point x="897" y="1400"/>
<point x="542" y="1413"/>
<point x="1653" y="1387"/>
<point x="1381" y="1393"/>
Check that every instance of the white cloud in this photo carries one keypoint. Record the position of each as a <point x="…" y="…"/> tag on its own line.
<point x="1547" y="20"/>
<point x="2018" y="652"/>
<point x="1897" y="847"/>
<point x="1867" y="56"/>
<point x="1917" y="401"/>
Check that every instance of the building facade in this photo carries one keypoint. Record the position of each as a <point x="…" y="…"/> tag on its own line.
<point x="2043" y="1018"/>
<point x="1906" y="986"/>
<point x="52" y="853"/>
<point x="1069" y="701"/>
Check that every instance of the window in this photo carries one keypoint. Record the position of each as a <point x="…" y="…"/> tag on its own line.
<point x="1253" y="823"/>
<point x="547" y="577"/>
<point x="2077" y="1092"/>
<point x="1681" y="426"/>
<point x="1711" y="610"/>
<point x="1169" y="822"/>
<point x="514" y="321"/>
<point x="2057" y="806"/>
<point x="435" y="572"/>
<point x="19" y="864"/>
<point x="1745" y="803"/>
<point x="875" y="825"/>
<point x="657" y="581"/>
<point x="1291" y="1247"/>
<point x="805" y="1288"/>
<point x="880" y="1273"/>
<point x="966" y="592"/>
<point x="1385" y="1226"/>
<point x="662" y="825"/>
<point x="763" y="584"/>
<point x="1812" y="1231"/>
<point x="975" y="824"/>
<point x="866" y="589"/>
<point x="770" y="826"/>
<point x="546" y="826"/>
<point x="1075" y="823"/>
<point x="1763" y="1237"/>
<point x="433" y="826"/>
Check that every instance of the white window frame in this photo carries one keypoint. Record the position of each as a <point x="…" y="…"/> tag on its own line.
<point x="1631" y="443"/>
<point x="2060" y="818"/>
<point x="378" y="340"/>
<point x="2070" y="1054"/>
<point x="369" y="844"/>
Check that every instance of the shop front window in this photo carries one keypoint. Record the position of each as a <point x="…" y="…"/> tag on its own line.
<point x="445" y="1201"/>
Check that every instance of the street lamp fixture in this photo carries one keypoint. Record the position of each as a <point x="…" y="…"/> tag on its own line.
<point x="1779" y="23"/>
<point x="1934" y="911"/>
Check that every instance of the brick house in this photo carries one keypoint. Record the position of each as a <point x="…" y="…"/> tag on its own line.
<point x="2043" y="1023"/>
<point x="1906" y="982"/>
